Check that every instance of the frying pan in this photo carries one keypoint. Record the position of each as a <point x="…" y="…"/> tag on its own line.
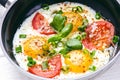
<point x="21" y="9"/>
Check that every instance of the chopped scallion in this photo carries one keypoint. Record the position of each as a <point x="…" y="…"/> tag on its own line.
<point x="115" y="39"/>
<point x="83" y="35"/>
<point x="18" y="49"/>
<point x="59" y="12"/>
<point x="45" y="6"/>
<point x="74" y="9"/>
<point x="92" y="54"/>
<point x="93" y="68"/>
<point x="29" y="58"/>
<point x="97" y="15"/>
<point x="44" y="65"/>
<point x="79" y="8"/>
<point x="22" y="36"/>
<point x="78" y="37"/>
<point x="31" y="63"/>
<point x="65" y="69"/>
<point x="82" y="28"/>
<point x="85" y="51"/>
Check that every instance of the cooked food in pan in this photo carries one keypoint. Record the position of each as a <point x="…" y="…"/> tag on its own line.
<point x="64" y="39"/>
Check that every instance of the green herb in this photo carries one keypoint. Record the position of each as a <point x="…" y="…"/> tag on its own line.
<point x="18" y="49"/>
<point x="22" y="36"/>
<point x="31" y="63"/>
<point x="52" y="52"/>
<point x="54" y="44"/>
<point x="66" y="30"/>
<point x="115" y="39"/>
<point x="59" y="12"/>
<point x="29" y="58"/>
<point x="58" y="22"/>
<point x="93" y="68"/>
<point x="82" y="28"/>
<point x="92" y="54"/>
<point x="85" y="51"/>
<point x="65" y="69"/>
<point x="74" y="44"/>
<point x="44" y="65"/>
<point x="98" y="15"/>
<point x="78" y="37"/>
<point x="79" y="8"/>
<point x="83" y="35"/>
<point x="54" y="38"/>
<point x="66" y="56"/>
<point x="84" y="25"/>
<point x="74" y="9"/>
<point x="45" y="6"/>
<point x="64" y="51"/>
<point x="85" y="21"/>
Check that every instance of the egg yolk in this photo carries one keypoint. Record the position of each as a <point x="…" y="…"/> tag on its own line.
<point x="74" y="18"/>
<point x="34" y="46"/>
<point x="78" y="61"/>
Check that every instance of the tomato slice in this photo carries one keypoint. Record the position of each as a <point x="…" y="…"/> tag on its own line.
<point x="40" y="24"/>
<point x="55" y="67"/>
<point x="99" y="35"/>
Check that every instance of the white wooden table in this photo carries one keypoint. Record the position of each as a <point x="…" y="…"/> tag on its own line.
<point x="9" y="72"/>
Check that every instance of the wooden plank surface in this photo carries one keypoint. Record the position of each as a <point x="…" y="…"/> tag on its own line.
<point x="9" y="72"/>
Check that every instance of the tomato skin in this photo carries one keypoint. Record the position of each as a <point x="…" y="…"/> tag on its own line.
<point x="40" y="24"/>
<point x="36" y="20"/>
<point x="55" y="62"/>
<point x="99" y="35"/>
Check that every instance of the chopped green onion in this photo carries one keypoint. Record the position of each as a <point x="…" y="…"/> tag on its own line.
<point x="92" y="54"/>
<point x="45" y="6"/>
<point x="85" y="51"/>
<point x="29" y="58"/>
<point x="83" y="35"/>
<point x="31" y="63"/>
<point x="79" y="8"/>
<point x="44" y="65"/>
<point x="52" y="52"/>
<point x="93" y="68"/>
<point x="59" y="12"/>
<point x="74" y="9"/>
<point x="82" y="28"/>
<point x="54" y="44"/>
<point x="22" y="36"/>
<point x="18" y="49"/>
<point x="65" y="69"/>
<point x="115" y="39"/>
<point x="97" y="15"/>
<point x="78" y="37"/>
<point x="85" y="21"/>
